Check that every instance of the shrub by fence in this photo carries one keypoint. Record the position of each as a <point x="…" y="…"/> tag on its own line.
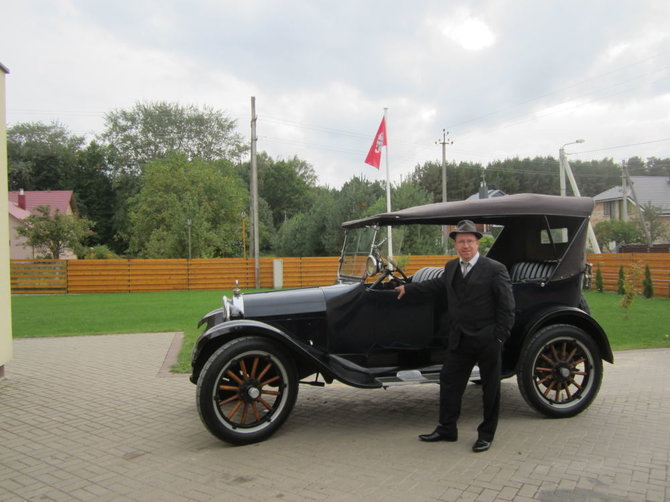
<point x="123" y="276"/>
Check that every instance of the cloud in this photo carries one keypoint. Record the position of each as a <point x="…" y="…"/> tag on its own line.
<point x="508" y="79"/>
<point x="469" y="32"/>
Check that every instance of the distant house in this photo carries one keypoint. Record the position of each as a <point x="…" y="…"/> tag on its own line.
<point x="24" y="203"/>
<point x="486" y="193"/>
<point x="654" y="189"/>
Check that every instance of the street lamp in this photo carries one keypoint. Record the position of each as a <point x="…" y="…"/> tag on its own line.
<point x="562" y="163"/>
<point x="565" y="168"/>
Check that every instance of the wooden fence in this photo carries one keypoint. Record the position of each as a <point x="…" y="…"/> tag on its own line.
<point x="125" y="276"/>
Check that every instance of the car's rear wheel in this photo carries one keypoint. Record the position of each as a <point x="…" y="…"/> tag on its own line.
<point x="246" y="390"/>
<point x="560" y="371"/>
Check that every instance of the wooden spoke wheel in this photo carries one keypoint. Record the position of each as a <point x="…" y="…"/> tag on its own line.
<point x="560" y="371"/>
<point x="246" y="390"/>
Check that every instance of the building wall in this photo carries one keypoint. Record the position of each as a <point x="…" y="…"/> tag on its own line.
<point x="615" y="211"/>
<point x="16" y="249"/>
<point x="5" y="296"/>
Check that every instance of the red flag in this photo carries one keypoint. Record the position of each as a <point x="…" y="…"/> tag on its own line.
<point x="375" y="154"/>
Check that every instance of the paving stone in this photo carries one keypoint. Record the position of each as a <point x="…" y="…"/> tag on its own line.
<point x="98" y="418"/>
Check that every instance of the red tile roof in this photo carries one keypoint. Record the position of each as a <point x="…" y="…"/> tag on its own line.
<point x="57" y="200"/>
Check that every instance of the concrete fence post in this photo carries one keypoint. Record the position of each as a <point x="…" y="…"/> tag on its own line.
<point x="277" y="274"/>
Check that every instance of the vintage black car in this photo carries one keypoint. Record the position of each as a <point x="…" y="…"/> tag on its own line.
<point x="258" y="347"/>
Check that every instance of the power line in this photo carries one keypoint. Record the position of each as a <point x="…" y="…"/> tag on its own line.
<point x="622" y="146"/>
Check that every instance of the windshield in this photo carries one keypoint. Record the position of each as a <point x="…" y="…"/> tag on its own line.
<point x="358" y="244"/>
<point x="407" y="240"/>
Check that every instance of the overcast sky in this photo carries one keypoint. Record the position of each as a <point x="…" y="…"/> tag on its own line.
<point x="505" y="78"/>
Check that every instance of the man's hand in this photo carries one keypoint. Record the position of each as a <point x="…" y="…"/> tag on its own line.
<point x="401" y="291"/>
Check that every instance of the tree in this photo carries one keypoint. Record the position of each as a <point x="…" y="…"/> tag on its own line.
<point x="647" y="285"/>
<point x="411" y="239"/>
<point x="39" y="156"/>
<point x="287" y="186"/>
<point x="620" y="232"/>
<point x="599" y="280"/>
<point x="155" y="130"/>
<point x="187" y="207"/>
<point x="318" y="231"/>
<point x="652" y="219"/>
<point x="595" y="176"/>
<point x="621" y="282"/>
<point x="462" y="179"/>
<point x="94" y="193"/>
<point x="54" y="234"/>
<point x="292" y="240"/>
<point x="49" y="157"/>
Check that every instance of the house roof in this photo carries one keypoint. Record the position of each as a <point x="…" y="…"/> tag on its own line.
<point x="57" y="200"/>
<point x="17" y="212"/>
<point x="654" y="189"/>
<point x="492" y="192"/>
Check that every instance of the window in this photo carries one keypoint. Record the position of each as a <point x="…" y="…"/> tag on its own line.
<point x="607" y="209"/>
<point x="558" y="236"/>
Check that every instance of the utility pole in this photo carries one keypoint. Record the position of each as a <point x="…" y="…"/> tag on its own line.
<point x="563" y="165"/>
<point x="444" y="144"/>
<point x="624" y="189"/>
<point x="254" y="196"/>
<point x="575" y="189"/>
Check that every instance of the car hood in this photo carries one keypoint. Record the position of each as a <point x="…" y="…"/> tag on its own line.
<point x="290" y="301"/>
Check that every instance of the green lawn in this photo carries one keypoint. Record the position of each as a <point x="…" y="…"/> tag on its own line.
<point x="92" y="314"/>
<point x="647" y="326"/>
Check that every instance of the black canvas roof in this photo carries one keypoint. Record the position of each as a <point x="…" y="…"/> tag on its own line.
<point x="497" y="209"/>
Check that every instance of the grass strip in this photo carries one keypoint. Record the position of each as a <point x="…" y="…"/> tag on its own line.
<point x="645" y="325"/>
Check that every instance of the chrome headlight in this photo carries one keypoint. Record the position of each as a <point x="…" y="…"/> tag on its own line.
<point x="372" y="266"/>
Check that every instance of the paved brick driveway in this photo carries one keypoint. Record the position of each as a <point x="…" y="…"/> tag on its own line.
<point x="95" y="418"/>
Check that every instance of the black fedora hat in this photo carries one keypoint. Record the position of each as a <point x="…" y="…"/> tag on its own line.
<point x="465" y="227"/>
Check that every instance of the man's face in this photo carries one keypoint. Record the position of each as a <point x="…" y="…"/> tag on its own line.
<point x="466" y="246"/>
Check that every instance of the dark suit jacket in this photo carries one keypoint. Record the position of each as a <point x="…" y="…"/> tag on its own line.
<point x="484" y="309"/>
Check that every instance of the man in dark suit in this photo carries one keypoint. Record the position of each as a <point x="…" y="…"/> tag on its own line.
<point x="479" y="317"/>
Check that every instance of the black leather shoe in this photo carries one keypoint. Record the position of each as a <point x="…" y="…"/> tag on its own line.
<point x="481" y="445"/>
<point x="437" y="436"/>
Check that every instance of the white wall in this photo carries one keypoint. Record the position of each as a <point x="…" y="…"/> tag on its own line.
<point x="5" y="295"/>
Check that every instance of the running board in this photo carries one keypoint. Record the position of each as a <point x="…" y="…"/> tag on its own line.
<point x="411" y="377"/>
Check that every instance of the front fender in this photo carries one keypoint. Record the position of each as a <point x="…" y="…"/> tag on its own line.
<point x="219" y="334"/>
<point x="575" y="317"/>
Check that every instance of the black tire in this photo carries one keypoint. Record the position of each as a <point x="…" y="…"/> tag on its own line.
<point x="246" y="390"/>
<point x="560" y="371"/>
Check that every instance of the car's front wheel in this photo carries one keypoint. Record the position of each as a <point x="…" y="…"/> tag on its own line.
<point x="560" y="371"/>
<point x="246" y="390"/>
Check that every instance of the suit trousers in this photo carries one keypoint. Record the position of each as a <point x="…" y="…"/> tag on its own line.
<point x="454" y="378"/>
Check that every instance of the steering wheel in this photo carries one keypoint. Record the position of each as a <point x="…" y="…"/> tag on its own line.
<point x="395" y="272"/>
<point x="396" y="269"/>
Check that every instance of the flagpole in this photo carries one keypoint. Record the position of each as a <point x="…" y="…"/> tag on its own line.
<point x="388" y="189"/>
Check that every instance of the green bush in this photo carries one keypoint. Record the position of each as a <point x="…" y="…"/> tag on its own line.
<point x="599" y="280"/>
<point x="647" y="285"/>
<point x="101" y="252"/>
